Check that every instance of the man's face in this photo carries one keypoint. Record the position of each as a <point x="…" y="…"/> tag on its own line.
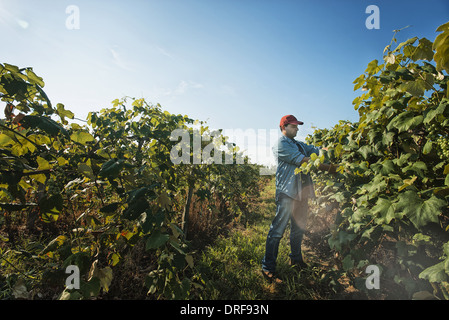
<point x="291" y="130"/>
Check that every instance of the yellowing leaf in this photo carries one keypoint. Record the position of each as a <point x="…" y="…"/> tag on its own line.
<point x="446" y="169"/>
<point x="5" y="140"/>
<point x="40" y="178"/>
<point x="82" y="137"/>
<point x="189" y="259"/>
<point x="43" y="164"/>
<point x="62" y="161"/>
<point x="407" y="182"/>
<point x="390" y="58"/>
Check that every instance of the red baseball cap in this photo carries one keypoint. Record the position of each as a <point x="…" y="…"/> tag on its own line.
<point x="290" y="119"/>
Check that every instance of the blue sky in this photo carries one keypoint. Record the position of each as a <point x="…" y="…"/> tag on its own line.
<point x="234" y="63"/>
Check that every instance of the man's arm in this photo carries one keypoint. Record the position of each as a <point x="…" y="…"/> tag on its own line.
<point x="330" y="168"/>
<point x="289" y="153"/>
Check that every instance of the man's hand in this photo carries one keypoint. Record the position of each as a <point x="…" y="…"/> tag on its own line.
<point x="330" y="168"/>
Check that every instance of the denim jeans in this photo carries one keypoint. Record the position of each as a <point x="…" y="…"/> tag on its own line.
<point x="287" y="210"/>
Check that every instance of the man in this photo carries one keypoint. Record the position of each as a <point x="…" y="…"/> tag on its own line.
<point x="292" y="194"/>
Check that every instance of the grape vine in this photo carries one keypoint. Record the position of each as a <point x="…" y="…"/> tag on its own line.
<point x="392" y="185"/>
<point x="91" y="194"/>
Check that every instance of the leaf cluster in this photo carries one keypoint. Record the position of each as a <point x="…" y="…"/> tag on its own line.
<point x="395" y="184"/>
<point x="101" y="189"/>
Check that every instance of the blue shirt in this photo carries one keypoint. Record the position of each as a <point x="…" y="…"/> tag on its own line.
<point x="289" y="153"/>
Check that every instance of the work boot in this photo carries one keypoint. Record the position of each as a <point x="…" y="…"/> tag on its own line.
<point x="271" y="276"/>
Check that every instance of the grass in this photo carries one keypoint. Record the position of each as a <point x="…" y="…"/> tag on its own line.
<point x="232" y="265"/>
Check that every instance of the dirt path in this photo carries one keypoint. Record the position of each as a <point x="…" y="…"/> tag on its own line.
<point x="232" y="265"/>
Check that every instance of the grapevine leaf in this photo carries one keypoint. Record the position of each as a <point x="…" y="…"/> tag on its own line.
<point x="405" y="43"/>
<point x="385" y="211"/>
<point x="407" y="183"/>
<point x="157" y="239"/>
<point x="43" y="95"/>
<point x="419" y="211"/>
<point x="112" y="207"/>
<point x="33" y="78"/>
<point x="423" y="50"/>
<point x="111" y="168"/>
<point x="43" y="164"/>
<point x="441" y="47"/>
<point x="86" y="170"/>
<point x="135" y="208"/>
<point x="373" y="67"/>
<point x="82" y="137"/>
<point x="45" y="124"/>
<point x="427" y="147"/>
<point x="434" y="273"/>
<point x="63" y="113"/>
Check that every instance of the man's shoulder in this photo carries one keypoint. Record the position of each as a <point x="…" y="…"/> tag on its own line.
<point x="283" y="141"/>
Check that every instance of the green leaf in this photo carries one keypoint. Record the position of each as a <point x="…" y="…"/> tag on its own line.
<point x="348" y="263"/>
<point x="70" y="295"/>
<point x="418" y="167"/>
<point x="432" y="112"/>
<point x="342" y="238"/>
<point x="415" y="88"/>
<point x="43" y="164"/>
<point x="11" y="68"/>
<point x="365" y="151"/>
<point x="419" y="211"/>
<point x="54" y="244"/>
<point x="405" y="121"/>
<point x="82" y="137"/>
<point x="373" y="67"/>
<point x="358" y="84"/>
<point x="405" y="43"/>
<point x="105" y="276"/>
<point x="189" y="259"/>
<point x="423" y="51"/>
<point x="157" y="239"/>
<point x="427" y="147"/>
<point x="51" y="207"/>
<point x="90" y="288"/>
<point x="135" y="208"/>
<point x="111" y="168"/>
<point x="384" y="168"/>
<point x="43" y="95"/>
<point x="33" y="78"/>
<point x="441" y="47"/>
<point x="43" y="123"/>
<point x="434" y="273"/>
<point x="110" y="208"/>
<point x="86" y="170"/>
<point x="385" y="211"/>
<point x="63" y="113"/>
